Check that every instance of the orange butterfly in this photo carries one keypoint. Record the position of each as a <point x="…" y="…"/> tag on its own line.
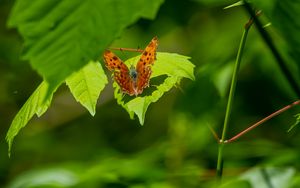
<point x="132" y="81"/>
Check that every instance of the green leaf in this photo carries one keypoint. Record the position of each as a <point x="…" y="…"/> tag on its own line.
<point x="61" y="36"/>
<point x="36" y="104"/>
<point x="119" y="96"/>
<point x="86" y="85"/>
<point x="239" y="3"/>
<point x="51" y="177"/>
<point x="173" y="65"/>
<point x="296" y="123"/>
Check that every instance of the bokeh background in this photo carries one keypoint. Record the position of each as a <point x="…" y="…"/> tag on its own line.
<point x="67" y="147"/>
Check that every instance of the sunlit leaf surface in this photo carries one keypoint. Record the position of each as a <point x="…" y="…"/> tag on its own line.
<point x="86" y="85"/>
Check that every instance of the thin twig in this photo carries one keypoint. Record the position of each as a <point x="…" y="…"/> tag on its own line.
<point x="213" y="132"/>
<point x="250" y="22"/>
<point x="127" y="49"/>
<point x="262" y="121"/>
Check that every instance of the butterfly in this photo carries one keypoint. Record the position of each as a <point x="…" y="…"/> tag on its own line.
<point x="133" y="80"/>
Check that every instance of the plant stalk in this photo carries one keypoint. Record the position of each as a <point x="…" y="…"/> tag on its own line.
<point x="230" y="99"/>
<point x="268" y="40"/>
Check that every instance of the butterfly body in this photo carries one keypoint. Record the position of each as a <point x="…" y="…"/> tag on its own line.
<point x="133" y="80"/>
<point x="133" y="73"/>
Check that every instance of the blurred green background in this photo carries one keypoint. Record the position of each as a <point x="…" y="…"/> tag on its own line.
<point x="67" y="147"/>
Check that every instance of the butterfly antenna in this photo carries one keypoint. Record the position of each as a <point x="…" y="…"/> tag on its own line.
<point x="180" y="88"/>
<point x="139" y="49"/>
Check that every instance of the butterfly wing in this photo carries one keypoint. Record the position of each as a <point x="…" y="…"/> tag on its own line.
<point x="120" y="71"/>
<point x="143" y="66"/>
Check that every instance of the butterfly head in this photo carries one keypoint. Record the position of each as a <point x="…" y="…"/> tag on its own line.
<point x="133" y="73"/>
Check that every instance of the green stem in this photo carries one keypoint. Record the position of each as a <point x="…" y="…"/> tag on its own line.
<point x="230" y="99"/>
<point x="282" y="64"/>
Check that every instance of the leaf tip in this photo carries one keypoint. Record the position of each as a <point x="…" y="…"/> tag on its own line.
<point x="239" y="3"/>
<point x="92" y="111"/>
<point x="142" y="121"/>
<point x="9" y="142"/>
<point x="193" y="77"/>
